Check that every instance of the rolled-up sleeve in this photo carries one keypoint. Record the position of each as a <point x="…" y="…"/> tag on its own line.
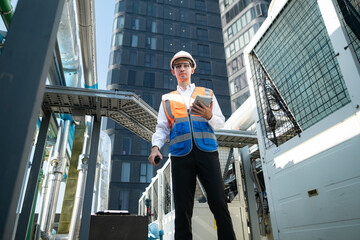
<point x="218" y="120"/>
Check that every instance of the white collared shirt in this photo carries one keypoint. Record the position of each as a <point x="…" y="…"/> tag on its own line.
<point x="163" y="128"/>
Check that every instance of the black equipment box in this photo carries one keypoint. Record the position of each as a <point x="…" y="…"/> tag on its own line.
<point x="119" y="227"/>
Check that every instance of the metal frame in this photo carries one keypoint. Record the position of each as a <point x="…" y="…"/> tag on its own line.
<point x="23" y="69"/>
<point x="274" y="175"/>
<point x="250" y="194"/>
<point x="89" y="188"/>
<point x="125" y="108"/>
<point x="27" y="208"/>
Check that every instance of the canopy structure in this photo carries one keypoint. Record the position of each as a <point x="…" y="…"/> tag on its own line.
<point x="125" y="108"/>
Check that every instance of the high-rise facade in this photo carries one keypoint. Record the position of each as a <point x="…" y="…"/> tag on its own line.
<point x="146" y="34"/>
<point x="240" y="20"/>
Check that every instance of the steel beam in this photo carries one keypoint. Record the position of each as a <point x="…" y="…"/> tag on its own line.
<point x="250" y="193"/>
<point x="33" y="180"/>
<point x="24" y="65"/>
<point x="89" y="188"/>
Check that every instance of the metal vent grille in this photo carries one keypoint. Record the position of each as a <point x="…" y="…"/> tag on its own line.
<point x="295" y="73"/>
<point x="168" y="189"/>
<point x="349" y="12"/>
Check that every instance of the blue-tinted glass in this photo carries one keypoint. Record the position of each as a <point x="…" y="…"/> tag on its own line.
<point x="149" y="79"/>
<point x="131" y="77"/>
<point x="204" y="67"/>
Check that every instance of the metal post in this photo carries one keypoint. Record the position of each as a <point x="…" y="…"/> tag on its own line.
<point x="89" y="189"/>
<point x="57" y="169"/>
<point x="81" y="181"/>
<point x="23" y="71"/>
<point x="33" y="179"/>
<point x="250" y="194"/>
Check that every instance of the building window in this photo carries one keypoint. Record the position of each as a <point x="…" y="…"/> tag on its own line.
<point x="149" y="98"/>
<point x="165" y="150"/>
<point x="135" y="7"/>
<point x="145" y="148"/>
<point x="126" y="146"/>
<point x="184" y="3"/>
<point x="168" y="45"/>
<point x="113" y="76"/>
<point x="125" y="172"/>
<point x="133" y="58"/>
<point x="146" y="172"/>
<point x="169" y="81"/>
<point x="151" y="26"/>
<point x="185" y="46"/>
<point x="264" y="9"/>
<point x="203" y="50"/>
<point x="120" y="6"/>
<point x="184" y="31"/>
<point x="205" y="67"/>
<point x="117" y="39"/>
<point x="123" y="200"/>
<point x="134" y="40"/>
<point x="184" y="16"/>
<point x="237" y="102"/>
<point x="131" y="77"/>
<point x="168" y="12"/>
<point x="119" y="22"/>
<point x="241" y="41"/>
<point x="149" y="60"/>
<point x="202" y="34"/>
<point x="235" y="65"/>
<point x="200" y="4"/>
<point x="150" y="43"/>
<point x="168" y="28"/>
<point x="149" y="79"/>
<point x="115" y="57"/>
<point x="151" y="10"/>
<point x="167" y="60"/>
<point x="241" y="23"/>
<point x="135" y="24"/>
<point x="201" y="19"/>
<point x="238" y="84"/>
<point x="206" y="83"/>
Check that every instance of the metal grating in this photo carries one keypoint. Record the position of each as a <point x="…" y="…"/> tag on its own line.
<point x="167" y="190"/>
<point x="126" y="108"/>
<point x="295" y="72"/>
<point x="349" y="12"/>
<point x="155" y="199"/>
<point x="235" y="138"/>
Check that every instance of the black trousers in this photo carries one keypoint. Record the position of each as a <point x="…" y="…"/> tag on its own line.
<point x="206" y="166"/>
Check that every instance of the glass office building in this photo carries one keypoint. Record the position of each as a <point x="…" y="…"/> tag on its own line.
<point x="240" y="20"/>
<point x="146" y="34"/>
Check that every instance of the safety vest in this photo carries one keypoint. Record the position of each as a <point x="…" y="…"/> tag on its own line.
<point x="185" y="127"/>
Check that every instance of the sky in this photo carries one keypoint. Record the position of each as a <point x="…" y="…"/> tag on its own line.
<point x="104" y="15"/>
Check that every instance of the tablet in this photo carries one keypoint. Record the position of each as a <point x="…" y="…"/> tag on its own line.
<point x="206" y="100"/>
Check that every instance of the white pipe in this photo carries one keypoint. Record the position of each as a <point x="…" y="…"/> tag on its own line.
<point x="57" y="170"/>
<point x="44" y="192"/>
<point x="82" y="169"/>
<point x="68" y="45"/>
<point x="104" y="159"/>
<point x="242" y="118"/>
<point x="86" y="21"/>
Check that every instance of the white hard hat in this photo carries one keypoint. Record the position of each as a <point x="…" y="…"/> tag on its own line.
<point x="186" y="56"/>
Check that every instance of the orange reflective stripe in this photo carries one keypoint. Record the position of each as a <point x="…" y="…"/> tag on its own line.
<point x="177" y="108"/>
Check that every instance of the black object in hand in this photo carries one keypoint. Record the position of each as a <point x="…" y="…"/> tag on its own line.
<point x="157" y="159"/>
